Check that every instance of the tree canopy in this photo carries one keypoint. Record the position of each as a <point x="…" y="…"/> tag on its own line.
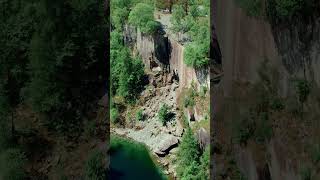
<point x="142" y="17"/>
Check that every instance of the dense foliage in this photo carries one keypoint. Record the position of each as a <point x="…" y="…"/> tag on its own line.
<point x="191" y="18"/>
<point x="52" y="59"/>
<point x="164" y="114"/>
<point x="127" y="72"/>
<point x="141" y="16"/>
<point x="192" y="163"/>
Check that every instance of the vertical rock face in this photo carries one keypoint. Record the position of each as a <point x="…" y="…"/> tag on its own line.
<point x="293" y="49"/>
<point x="245" y="43"/>
<point x="186" y="74"/>
<point x="157" y="50"/>
<point x="299" y="45"/>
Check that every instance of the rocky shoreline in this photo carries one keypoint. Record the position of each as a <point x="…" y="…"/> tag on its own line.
<point x="161" y="140"/>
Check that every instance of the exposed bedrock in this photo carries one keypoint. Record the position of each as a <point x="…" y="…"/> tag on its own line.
<point x="292" y="49"/>
<point x="158" y="50"/>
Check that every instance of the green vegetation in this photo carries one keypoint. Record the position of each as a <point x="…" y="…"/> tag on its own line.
<point x="114" y="115"/>
<point x="188" y="101"/>
<point x="164" y="114"/>
<point x="139" y="115"/>
<point x="196" y="55"/>
<point x="192" y="18"/>
<point x="95" y="166"/>
<point x="127" y="72"/>
<point x="191" y="163"/>
<point x="141" y="16"/>
<point x="189" y="97"/>
<point x="203" y="91"/>
<point x="52" y="64"/>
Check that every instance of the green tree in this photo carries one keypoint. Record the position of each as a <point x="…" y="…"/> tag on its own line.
<point x="204" y="171"/>
<point x="188" y="153"/>
<point x="196" y="55"/>
<point x="177" y="16"/>
<point x="164" y="114"/>
<point x="142" y="17"/>
<point x="119" y="12"/>
<point x="131" y="79"/>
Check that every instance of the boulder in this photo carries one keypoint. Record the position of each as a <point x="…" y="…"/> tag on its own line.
<point x="179" y="130"/>
<point x="160" y="153"/>
<point x="166" y="146"/>
<point x="203" y="138"/>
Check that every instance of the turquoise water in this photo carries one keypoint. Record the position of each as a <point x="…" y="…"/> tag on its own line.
<point x="130" y="161"/>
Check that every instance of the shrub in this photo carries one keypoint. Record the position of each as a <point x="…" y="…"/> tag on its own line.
<point x="203" y="91"/>
<point x="164" y="114"/>
<point x="188" y="153"/>
<point x="196" y="55"/>
<point x="188" y="101"/>
<point x="114" y="115"/>
<point x="95" y="168"/>
<point x="11" y="164"/>
<point x="140" y="115"/>
<point x="177" y="17"/>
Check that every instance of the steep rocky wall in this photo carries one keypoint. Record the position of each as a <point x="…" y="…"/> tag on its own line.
<point x="186" y="74"/>
<point x="245" y="43"/>
<point x="165" y="52"/>
<point x="299" y="46"/>
<point x="294" y="50"/>
<point x="145" y="47"/>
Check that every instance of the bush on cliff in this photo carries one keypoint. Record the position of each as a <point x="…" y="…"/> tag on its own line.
<point x="196" y="55"/>
<point x="164" y="114"/>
